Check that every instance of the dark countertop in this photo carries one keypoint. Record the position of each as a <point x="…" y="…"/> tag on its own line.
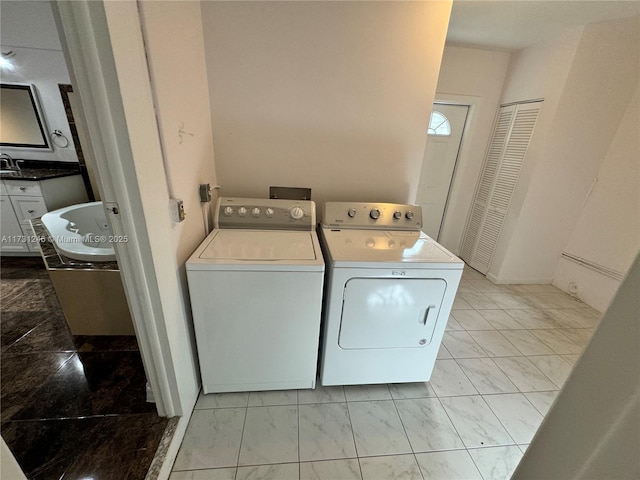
<point x="35" y="170"/>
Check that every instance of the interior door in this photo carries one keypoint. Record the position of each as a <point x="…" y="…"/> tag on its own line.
<point x="507" y="150"/>
<point x="390" y="313"/>
<point x="439" y="162"/>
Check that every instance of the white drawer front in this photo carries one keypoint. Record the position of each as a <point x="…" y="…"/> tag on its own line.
<point x="27" y="208"/>
<point x="21" y="187"/>
<point x="12" y="234"/>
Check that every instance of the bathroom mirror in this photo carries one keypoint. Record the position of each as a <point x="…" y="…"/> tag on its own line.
<point x="21" y="121"/>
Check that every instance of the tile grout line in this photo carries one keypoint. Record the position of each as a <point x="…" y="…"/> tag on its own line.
<point x="502" y="423"/>
<point x="353" y="433"/>
<point x="244" y="423"/>
<point x="298" y="429"/>
<point x="404" y="428"/>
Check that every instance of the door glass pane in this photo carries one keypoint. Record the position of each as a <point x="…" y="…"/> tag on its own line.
<point x="438" y="124"/>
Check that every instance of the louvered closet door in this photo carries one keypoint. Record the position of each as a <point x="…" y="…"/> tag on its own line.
<point x="508" y="147"/>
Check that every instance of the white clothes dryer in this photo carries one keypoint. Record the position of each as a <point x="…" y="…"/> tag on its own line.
<point x="256" y="287"/>
<point x="388" y="294"/>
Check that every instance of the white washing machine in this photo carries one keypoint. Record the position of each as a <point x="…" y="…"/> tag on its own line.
<point x="388" y="294"/>
<point x="256" y="295"/>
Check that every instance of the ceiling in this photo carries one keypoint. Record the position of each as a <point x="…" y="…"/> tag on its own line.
<point x="500" y="25"/>
<point x="516" y="24"/>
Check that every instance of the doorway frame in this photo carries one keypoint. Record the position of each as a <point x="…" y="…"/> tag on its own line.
<point x="86" y="43"/>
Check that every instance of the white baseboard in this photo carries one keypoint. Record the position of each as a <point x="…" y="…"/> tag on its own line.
<point x="518" y="281"/>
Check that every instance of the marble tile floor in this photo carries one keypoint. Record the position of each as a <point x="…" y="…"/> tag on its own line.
<point x="69" y="406"/>
<point x="506" y="353"/>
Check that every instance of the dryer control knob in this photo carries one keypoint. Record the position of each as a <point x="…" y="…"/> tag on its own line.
<point x="269" y="212"/>
<point x="397" y="214"/>
<point x="228" y="211"/>
<point x="409" y="215"/>
<point x="374" y="213"/>
<point x="242" y="211"/>
<point x="296" y="213"/>
<point x="351" y="212"/>
<point x="255" y="212"/>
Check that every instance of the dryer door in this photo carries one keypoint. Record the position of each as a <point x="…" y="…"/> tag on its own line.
<point x="389" y="312"/>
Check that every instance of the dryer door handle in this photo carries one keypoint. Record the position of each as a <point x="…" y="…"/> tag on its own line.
<point x="426" y="314"/>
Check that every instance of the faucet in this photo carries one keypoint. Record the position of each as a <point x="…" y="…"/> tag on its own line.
<point x="11" y="164"/>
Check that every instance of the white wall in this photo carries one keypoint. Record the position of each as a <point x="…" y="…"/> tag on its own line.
<point x="536" y="72"/>
<point x="29" y="30"/>
<point x="9" y="468"/>
<point x="568" y="150"/>
<point x="608" y="228"/>
<point x="179" y="80"/>
<point x="469" y="76"/>
<point x="335" y="96"/>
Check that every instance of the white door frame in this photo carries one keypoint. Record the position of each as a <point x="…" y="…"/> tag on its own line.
<point x="87" y="46"/>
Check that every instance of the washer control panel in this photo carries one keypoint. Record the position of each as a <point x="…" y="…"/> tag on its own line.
<point x="263" y="214"/>
<point x="380" y="216"/>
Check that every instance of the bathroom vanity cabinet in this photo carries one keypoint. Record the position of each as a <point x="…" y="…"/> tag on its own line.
<point x="23" y="200"/>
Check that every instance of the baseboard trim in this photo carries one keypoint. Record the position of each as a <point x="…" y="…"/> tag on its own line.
<point x="518" y="281"/>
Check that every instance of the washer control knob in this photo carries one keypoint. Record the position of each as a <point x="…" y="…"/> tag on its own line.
<point x="351" y="212"/>
<point x="242" y="211"/>
<point x="228" y="211"/>
<point x="296" y="213"/>
<point x="397" y="214"/>
<point x="409" y="215"/>
<point x="374" y="213"/>
<point x="269" y="212"/>
<point x="255" y="212"/>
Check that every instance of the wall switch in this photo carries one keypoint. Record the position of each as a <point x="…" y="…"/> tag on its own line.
<point x="177" y="207"/>
<point x="205" y="192"/>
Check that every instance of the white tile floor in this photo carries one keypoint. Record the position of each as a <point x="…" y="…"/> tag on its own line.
<point x="506" y="353"/>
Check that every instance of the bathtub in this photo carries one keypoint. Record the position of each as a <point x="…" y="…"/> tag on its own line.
<point x="81" y="232"/>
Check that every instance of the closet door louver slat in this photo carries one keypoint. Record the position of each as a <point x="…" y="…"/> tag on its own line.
<point x="501" y="130"/>
<point x="500" y="173"/>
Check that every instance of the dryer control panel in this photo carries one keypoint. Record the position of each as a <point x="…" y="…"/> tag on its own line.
<point x="265" y="214"/>
<point x="379" y="216"/>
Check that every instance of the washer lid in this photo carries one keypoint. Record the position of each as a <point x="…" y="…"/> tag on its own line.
<point x="259" y="245"/>
<point x="377" y="246"/>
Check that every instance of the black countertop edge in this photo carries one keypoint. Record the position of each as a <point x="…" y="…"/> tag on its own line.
<point x="34" y="170"/>
<point x="56" y="261"/>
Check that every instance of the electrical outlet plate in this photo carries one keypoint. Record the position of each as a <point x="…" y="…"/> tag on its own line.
<point x="177" y="208"/>
<point x="205" y="192"/>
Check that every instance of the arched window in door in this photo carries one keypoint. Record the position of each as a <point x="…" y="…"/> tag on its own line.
<point x="439" y="125"/>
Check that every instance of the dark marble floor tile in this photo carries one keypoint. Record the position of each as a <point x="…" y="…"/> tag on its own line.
<point x="27" y="295"/>
<point x="92" y="383"/>
<point x="45" y="449"/>
<point x="50" y="335"/>
<point x="22" y="376"/>
<point x="106" y="343"/>
<point x="118" y="447"/>
<point x="10" y="291"/>
<point x="22" y="267"/>
<point x="131" y="439"/>
<point x="14" y="325"/>
<point x="50" y="296"/>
